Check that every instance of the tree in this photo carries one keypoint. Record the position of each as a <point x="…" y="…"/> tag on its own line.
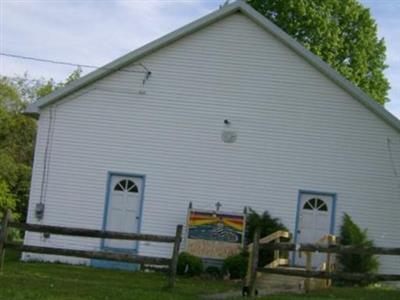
<point x="7" y="199"/>
<point x="352" y="235"/>
<point x="17" y="137"/>
<point x="31" y="89"/>
<point x="340" y="32"/>
<point x="17" y="133"/>
<point x="267" y="225"/>
<point x="73" y="76"/>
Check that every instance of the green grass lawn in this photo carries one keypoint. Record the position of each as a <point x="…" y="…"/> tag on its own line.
<point x="40" y="281"/>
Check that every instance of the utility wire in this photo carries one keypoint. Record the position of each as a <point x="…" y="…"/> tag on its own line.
<point x="44" y="60"/>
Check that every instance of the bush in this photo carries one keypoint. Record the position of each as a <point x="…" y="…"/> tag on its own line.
<point x="351" y="234"/>
<point x="268" y="225"/>
<point x="14" y="235"/>
<point x="236" y="266"/>
<point x="7" y="199"/>
<point x="189" y="264"/>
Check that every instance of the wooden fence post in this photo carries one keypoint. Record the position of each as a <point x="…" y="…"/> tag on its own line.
<point x="307" y="283"/>
<point x="276" y="252"/>
<point x="3" y="236"/>
<point x="175" y="254"/>
<point x="253" y="261"/>
<point x="331" y="241"/>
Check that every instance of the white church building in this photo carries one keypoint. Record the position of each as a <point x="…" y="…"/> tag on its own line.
<point x="226" y="109"/>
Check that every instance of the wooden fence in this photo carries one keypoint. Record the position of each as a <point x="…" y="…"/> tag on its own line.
<point x="308" y="272"/>
<point x="121" y="257"/>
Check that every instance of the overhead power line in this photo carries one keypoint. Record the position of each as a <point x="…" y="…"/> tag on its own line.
<point x="45" y="60"/>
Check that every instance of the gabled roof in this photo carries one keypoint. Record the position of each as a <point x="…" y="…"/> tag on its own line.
<point x="238" y="6"/>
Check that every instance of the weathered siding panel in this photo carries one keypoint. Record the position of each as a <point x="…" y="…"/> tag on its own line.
<point x="296" y="130"/>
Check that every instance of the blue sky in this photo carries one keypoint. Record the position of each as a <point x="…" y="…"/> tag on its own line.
<point x="96" y="32"/>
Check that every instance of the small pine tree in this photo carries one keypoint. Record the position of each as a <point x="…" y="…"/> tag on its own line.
<point x="351" y="234"/>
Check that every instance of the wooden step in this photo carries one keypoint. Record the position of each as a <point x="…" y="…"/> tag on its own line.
<point x="276" y="282"/>
<point x="287" y="283"/>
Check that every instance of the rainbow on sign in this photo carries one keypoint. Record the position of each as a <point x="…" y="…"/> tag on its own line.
<point x="216" y="226"/>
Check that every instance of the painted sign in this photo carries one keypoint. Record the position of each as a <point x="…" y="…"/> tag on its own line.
<point x="216" y="226"/>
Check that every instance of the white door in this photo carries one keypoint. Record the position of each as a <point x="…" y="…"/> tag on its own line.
<point x="123" y="209"/>
<point x="315" y="211"/>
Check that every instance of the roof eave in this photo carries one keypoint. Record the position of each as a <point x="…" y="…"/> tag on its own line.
<point x="32" y="110"/>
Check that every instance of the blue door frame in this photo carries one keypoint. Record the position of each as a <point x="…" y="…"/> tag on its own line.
<point x="333" y="214"/>
<point x="107" y="201"/>
<point x="113" y="264"/>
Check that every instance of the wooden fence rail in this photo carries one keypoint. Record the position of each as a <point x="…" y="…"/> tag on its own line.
<point x="92" y="233"/>
<point x="331" y="249"/>
<point x="121" y="257"/>
<point x="308" y="249"/>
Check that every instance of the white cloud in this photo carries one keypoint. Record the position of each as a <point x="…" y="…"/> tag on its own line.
<point x="86" y="32"/>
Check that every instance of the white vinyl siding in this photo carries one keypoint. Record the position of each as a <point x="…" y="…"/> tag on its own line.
<point x="296" y="130"/>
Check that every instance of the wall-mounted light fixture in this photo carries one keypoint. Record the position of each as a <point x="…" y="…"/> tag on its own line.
<point x="228" y="135"/>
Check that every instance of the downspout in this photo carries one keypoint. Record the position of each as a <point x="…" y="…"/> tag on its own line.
<point x="40" y="207"/>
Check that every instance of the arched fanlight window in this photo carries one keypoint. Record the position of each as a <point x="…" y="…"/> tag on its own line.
<point x="126" y="185"/>
<point x="315" y="204"/>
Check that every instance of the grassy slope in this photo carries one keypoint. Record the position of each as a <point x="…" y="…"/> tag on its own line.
<point x="40" y="281"/>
